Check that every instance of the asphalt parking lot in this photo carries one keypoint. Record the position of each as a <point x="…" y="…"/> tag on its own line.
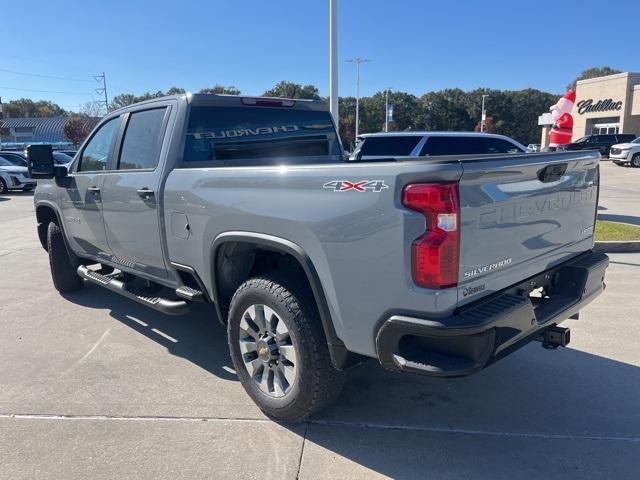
<point x="95" y="386"/>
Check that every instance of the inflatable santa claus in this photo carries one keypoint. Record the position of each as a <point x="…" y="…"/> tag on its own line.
<point x="562" y="129"/>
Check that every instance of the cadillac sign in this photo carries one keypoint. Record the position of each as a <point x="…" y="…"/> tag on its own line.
<point x="608" y="105"/>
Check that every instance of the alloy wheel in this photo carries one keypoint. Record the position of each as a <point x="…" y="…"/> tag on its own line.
<point x="267" y="350"/>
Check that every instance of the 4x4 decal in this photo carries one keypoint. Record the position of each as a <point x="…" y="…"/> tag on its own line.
<point x="359" y="186"/>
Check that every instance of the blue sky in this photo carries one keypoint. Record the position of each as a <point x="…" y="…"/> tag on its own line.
<point x="414" y="45"/>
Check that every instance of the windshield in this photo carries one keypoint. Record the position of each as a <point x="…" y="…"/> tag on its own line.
<point x="637" y="140"/>
<point x="5" y="163"/>
<point x="15" y="159"/>
<point x="264" y="135"/>
<point x="581" y="140"/>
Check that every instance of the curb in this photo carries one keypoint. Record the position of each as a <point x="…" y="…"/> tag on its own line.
<point x="615" y="246"/>
<point x="618" y="247"/>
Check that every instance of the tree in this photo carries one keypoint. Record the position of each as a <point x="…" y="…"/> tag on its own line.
<point x="593" y="72"/>
<point x="92" y="109"/>
<point x="220" y="89"/>
<point x="125" y="99"/>
<point x="27" y="108"/>
<point x="293" y="90"/>
<point x="77" y="129"/>
<point x="444" y="110"/>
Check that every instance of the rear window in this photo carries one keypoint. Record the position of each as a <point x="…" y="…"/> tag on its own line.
<point x="389" y="146"/>
<point x="232" y="136"/>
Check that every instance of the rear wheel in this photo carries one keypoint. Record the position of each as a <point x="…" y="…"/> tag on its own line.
<point x="279" y="349"/>
<point x="635" y="160"/>
<point x="63" y="263"/>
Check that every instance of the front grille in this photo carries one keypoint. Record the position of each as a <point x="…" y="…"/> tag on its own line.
<point x="615" y="151"/>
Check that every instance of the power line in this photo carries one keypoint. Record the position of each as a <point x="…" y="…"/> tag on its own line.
<point x="45" y="76"/>
<point x="44" y="91"/>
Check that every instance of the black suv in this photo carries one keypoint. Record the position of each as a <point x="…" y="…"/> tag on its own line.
<point x="600" y="142"/>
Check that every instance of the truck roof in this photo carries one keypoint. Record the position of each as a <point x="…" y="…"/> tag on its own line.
<point x="214" y="99"/>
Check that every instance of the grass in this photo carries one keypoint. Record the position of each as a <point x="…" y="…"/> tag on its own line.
<point x="614" y="231"/>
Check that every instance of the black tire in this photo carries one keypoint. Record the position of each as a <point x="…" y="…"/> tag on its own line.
<point x="635" y="160"/>
<point x="63" y="263"/>
<point x="317" y="383"/>
<point x="3" y="186"/>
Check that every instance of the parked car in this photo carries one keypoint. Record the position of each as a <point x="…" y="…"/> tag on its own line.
<point x="602" y="143"/>
<point x="16" y="158"/>
<point x="626" y="153"/>
<point x="14" y="177"/>
<point x="379" y="146"/>
<point x="436" y="266"/>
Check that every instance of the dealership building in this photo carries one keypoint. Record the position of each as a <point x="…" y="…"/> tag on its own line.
<point x="604" y="105"/>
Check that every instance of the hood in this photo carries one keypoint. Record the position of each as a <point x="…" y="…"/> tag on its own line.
<point x="625" y="145"/>
<point x="14" y="169"/>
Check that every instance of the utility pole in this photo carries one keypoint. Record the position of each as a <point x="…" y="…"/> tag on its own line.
<point x="484" y="114"/>
<point x="358" y="61"/>
<point x="386" y="109"/>
<point x="333" y="61"/>
<point x="103" y="91"/>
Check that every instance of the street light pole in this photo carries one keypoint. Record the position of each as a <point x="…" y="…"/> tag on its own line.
<point x="484" y="114"/>
<point x="357" y="61"/>
<point x="333" y="60"/>
<point x="386" y="109"/>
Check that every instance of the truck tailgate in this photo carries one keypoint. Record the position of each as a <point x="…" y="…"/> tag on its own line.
<point x="523" y="215"/>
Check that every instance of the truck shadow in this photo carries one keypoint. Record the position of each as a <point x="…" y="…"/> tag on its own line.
<point x="552" y="405"/>
<point x="619" y="218"/>
<point x="197" y="337"/>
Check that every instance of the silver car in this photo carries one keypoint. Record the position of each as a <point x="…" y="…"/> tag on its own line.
<point x="14" y="177"/>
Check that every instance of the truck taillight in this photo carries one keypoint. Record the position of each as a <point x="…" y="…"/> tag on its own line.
<point x="435" y="255"/>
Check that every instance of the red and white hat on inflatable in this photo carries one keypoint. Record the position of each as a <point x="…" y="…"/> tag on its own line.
<point x="570" y="96"/>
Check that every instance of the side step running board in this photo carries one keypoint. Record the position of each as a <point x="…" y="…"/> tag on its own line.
<point x="164" y="305"/>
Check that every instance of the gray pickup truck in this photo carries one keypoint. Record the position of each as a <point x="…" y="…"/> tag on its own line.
<point x="438" y="265"/>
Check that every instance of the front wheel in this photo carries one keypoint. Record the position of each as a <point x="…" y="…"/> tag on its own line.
<point x="635" y="160"/>
<point x="3" y="186"/>
<point x="279" y="349"/>
<point x="63" y="263"/>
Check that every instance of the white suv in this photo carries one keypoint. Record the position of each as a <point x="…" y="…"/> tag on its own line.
<point x="623" y="153"/>
<point x="378" y="146"/>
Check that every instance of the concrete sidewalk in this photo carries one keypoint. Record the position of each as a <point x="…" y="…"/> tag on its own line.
<point x="95" y="386"/>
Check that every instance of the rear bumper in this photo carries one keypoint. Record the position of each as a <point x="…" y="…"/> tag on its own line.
<point x="485" y="331"/>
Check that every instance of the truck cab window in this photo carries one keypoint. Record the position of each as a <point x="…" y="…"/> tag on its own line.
<point x="232" y="136"/>
<point x="142" y="140"/>
<point x="95" y="155"/>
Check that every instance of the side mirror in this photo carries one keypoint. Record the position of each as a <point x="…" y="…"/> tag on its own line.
<point x="40" y="162"/>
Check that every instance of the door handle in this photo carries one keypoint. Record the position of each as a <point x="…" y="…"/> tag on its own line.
<point x="145" y="193"/>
